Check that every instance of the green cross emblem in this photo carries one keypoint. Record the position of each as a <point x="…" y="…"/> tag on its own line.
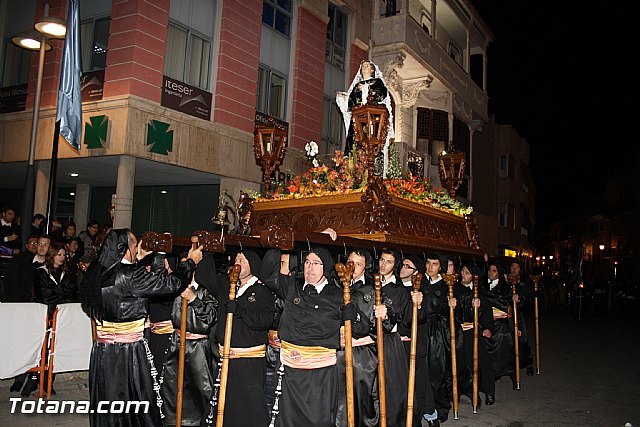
<point x="159" y="137"/>
<point x="95" y="132"/>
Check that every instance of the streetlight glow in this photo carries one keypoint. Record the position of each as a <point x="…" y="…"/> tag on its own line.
<point x="52" y="27"/>
<point x="29" y="41"/>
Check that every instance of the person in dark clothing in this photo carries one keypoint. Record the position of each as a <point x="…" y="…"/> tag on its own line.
<point x="524" y="290"/>
<point x="53" y="283"/>
<point x="115" y="292"/>
<point x="198" y="378"/>
<point x="19" y="287"/>
<point x="288" y="266"/>
<point x="410" y="267"/>
<point x="437" y="305"/>
<point x="501" y="344"/>
<point x="309" y="330"/>
<point x="37" y="224"/>
<point x="396" y="364"/>
<point x="160" y="331"/>
<point x="19" y="274"/>
<point x="364" y="351"/>
<point x="88" y="236"/>
<point x="463" y="292"/>
<point x="9" y="231"/>
<point x="253" y="312"/>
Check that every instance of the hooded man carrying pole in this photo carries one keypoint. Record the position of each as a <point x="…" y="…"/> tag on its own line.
<point x="201" y="314"/>
<point x="309" y="331"/>
<point x="253" y="310"/>
<point x="115" y="291"/>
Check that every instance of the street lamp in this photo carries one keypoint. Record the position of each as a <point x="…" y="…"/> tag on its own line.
<point x="48" y="27"/>
<point x="601" y="247"/>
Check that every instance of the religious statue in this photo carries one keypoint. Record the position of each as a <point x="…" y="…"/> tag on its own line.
<point x="367" y="82"/>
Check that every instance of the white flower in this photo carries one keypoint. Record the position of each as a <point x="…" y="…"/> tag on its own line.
<point x="311" y="148"/>
<point x="315" y="163"/>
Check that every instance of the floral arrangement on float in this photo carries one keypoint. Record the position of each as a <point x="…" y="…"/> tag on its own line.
<point x="349" y="175"/>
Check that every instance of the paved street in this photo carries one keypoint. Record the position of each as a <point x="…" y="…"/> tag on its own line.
<point x="589" y="377"/>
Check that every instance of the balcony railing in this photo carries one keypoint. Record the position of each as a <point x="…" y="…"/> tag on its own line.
<point x="401" y="31"/>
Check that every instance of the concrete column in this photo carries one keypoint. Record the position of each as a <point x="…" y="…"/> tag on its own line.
<point x="434" y="24"/>
<point x="42" y="186"/>
<point x="124" y="192"/>
<point x="81" y="207"/>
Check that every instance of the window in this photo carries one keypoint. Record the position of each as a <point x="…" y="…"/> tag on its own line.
<point x="277" y="15"/>
<point x="187" y="56"/>
<point x="425" y="22"/>
<point x="454" y="53"/>
<point x="272" y="93"/>
<point x="507" y="166"/>
<point x="16" y="65"/>
<point x="505" y="212"/>
<point x="332" y="127"/>
<point x="432" y="132"/>
<point x="336" y="37"/>
<point x="94" y="37"/>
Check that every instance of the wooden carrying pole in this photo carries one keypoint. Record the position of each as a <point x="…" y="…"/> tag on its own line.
<point x="415" y="287"/>
<point x="476" y="326"/>
<point x="450" y="279"/>
<point x="234" y="274"/>
<point x="536" y="279"/>
<point x="346" y="273"/>
<point x="183" y="343"/>
<point x="43" y="356"/>
<point x="52" y="347"/>
<point x="513" y="280"/>
<point x="382" y="391"/>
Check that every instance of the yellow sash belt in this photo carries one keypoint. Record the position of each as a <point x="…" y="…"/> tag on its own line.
<point x="246" y="352"/>
<point x="306" y="357"/>
<point x="123" y="332"/>
<point x="161" y="328"/>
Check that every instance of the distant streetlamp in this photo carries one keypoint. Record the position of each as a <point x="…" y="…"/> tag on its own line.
<point x="601" y="247"/>
<point x="48" y="27"/>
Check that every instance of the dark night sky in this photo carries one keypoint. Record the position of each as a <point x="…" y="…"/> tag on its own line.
<point x="559" y="75"/>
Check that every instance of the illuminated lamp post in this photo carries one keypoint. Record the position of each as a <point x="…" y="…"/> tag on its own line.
<point x="47" y="27"/>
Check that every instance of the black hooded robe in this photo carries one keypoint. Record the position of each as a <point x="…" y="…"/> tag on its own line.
<point x="124" y="371"/>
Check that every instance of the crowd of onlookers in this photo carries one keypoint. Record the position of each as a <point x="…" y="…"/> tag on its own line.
<point x="47" y="268"/>
<point x="60" y="253"/>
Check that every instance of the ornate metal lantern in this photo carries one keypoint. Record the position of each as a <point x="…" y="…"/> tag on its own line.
<point x="452" y="165"/>
<point x="269" y="143"/>
<point x="370" y="122"/>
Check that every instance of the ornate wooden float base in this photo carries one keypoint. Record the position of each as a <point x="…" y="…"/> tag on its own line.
<point x="409" y="223"/>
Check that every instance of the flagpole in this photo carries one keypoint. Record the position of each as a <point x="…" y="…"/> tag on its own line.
<point x="53" y="172"/>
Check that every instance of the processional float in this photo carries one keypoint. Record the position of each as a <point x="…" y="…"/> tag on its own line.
<point x="408" y="215"/>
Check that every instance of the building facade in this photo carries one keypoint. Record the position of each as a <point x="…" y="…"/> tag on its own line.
<point x="505" y="192"/>
<point x="172" y="90"/>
